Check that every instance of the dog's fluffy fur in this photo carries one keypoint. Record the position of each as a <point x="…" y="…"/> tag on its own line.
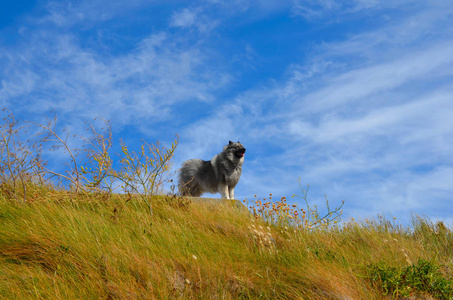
<point x="219" y="175"/>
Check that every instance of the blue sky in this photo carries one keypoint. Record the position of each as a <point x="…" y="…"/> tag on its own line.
<point x="354" y="97"/>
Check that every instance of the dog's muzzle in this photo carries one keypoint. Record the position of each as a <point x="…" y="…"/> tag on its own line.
<point x="240" y="153"/>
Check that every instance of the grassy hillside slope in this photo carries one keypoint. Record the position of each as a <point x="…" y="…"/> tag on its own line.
<point x="60" y="245"/>
<point x="83" y="240"/>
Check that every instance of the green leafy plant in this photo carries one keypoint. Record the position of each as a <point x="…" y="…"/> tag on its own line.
<point x="423" y="277"/>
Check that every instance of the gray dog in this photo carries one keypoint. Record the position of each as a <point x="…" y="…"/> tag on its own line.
<point x="219" y="175"/>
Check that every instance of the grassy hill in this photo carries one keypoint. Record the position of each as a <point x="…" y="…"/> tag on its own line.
<point x="90" y="239"/>
<point x="63" y="245"/>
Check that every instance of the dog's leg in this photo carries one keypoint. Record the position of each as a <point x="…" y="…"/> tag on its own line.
<point x="223" y="189"/>
<point x="231" y="192"/>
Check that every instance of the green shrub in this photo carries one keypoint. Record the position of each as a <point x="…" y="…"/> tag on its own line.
<point x="423" y="277"/>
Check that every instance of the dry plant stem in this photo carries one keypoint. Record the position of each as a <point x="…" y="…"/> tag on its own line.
<point x="281" y="213"/>
<point x="143" y="173"/>
<point x="18" y="164"/>
<point x="313" y="218"/>
<point x="98" y="157"/>
<point x="21" y="165"/>
<point x="158" y="171"/>
<point x="8" y="164"/>
<point x="52" y="136"/>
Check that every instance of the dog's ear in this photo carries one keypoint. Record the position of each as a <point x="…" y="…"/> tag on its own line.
<point x="230" y="143"/>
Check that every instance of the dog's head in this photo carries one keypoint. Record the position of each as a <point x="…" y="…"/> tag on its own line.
<point x="236" y="149"/>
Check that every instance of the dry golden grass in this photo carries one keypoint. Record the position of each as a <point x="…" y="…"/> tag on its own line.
<point x="60" y="245"/>
<point x="83" y="241"/>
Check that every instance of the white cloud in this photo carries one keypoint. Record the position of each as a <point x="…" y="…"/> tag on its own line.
<point x="201" y="138"/>
<point x="400" y="119"/>
<point x="86" y="13"/>
<point x="196" y="17"/>
<point x="316" y="9"/>
<point x="146" y="82"/>
<point x="361" y="83"/>
<point x="184" y="18"/>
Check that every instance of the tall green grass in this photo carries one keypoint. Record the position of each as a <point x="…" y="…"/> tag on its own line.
<point x="104" y="246"/>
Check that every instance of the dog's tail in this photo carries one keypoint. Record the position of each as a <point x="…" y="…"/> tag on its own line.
<point x="187" y="184"/>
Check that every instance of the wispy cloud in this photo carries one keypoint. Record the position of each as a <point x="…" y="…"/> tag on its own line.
<point x="87" y="13"/>
<point x="360" y="83"/>
<point x="193" y="18"/>
<point x="318" y="9"/>
<point x="57" y="73"/>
